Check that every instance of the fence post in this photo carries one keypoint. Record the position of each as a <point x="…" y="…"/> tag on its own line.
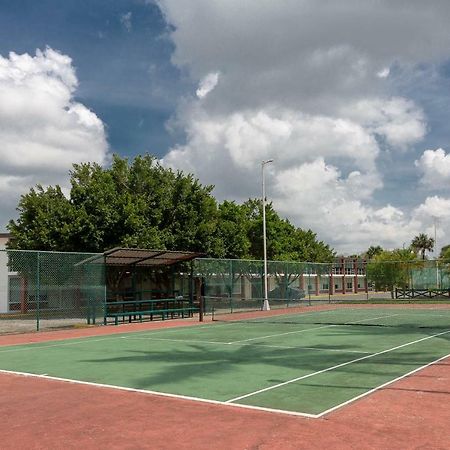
<point x="309" y="285"/>
<point x="191" y="285"/>
<point x="38" y="293"/>
<point x="330" y="282"/>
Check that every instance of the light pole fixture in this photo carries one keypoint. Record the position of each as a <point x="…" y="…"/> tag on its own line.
<point x="435" y="219"/>
<point x="266" y="305"/>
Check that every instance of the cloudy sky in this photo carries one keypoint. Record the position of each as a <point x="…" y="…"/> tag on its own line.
<point x="351" y="99"/>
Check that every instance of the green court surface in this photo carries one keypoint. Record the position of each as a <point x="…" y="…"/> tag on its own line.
<point x="308" y="363"/>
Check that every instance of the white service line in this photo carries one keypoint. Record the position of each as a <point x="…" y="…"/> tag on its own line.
<point x="87" y="339"/>
<point x="311" y="329"/>
<point x="334" y="367"/>
<point x="331" y="350"/>
<point x="35" y="346"/>
<point x="381" y="386"/>
<point x="281" y="334"/>
<point x="197" y="341"/>
<point x="160" y="394"/>
<point x="426" y="315"/>
<point x="218" y="402"/>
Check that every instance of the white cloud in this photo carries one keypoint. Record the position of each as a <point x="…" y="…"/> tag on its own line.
<point x="125" y="20"/>
<point x="398" y="120"/>
<point x="250" y="136"/>
<point x="43" y="129"/>
<point x="389" y="213"/>
<point x="435" y="212"/>
<point x="434" y="206"/>
<point x="384" y="73"/>
<point x="300" y="83"/>
<point x="435" y="165"/>
<point x="302" y="185"/>
<point x="207" y="84"/>
<point x="323" y="175"/>
<point x="317" y="196"/>
<point x="303" y="51"/>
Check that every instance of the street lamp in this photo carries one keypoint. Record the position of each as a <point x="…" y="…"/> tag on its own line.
<point x="266" y="306"/>
<point x="435" y="219"/>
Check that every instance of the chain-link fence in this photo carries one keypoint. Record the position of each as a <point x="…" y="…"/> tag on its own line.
<point x="411" y="279"/>
<point x="238" y="285"/>
<point x="45" y="290"/>
<point x="430" y="275"/>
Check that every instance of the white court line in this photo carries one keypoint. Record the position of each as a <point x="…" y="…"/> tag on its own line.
<point x="87" y="339"/>
<point x="324" y="349"/>
<point x="425" y="315"/>
<point x="314" y="328"/>
<point x="334" y="408"/>
<point x="160" y="394"/>
<point x="333" y="367"/>
<point x="34" y="346"/>
<point x="197" y="341"/>
<point x="217" y="402"/>
<point x="197" y="328"/>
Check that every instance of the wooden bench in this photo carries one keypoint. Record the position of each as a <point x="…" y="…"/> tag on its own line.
<point x="136" y="309"/>
<point x="130" y="295"/>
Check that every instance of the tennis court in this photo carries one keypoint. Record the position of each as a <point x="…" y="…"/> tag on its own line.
<point x="308" y="363"/>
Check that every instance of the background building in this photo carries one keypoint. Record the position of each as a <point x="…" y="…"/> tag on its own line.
<point x="4" y="278"/>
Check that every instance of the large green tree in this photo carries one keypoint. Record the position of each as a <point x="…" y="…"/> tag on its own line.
<point x="128" y="204"/>
<point x="233" y="229"/>
<point x="142" y="204"/>
<point x="45" y="222"/>
<point x="284" y="241"/>
<point x="391" y="269"/>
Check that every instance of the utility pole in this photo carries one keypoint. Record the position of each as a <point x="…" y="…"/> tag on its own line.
<point x="266" y="305"/>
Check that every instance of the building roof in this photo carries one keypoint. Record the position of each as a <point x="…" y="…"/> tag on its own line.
<point x="143" y="257"/>
<point x="139" y="257"/>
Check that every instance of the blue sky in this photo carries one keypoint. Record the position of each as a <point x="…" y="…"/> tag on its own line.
<point x="351" y="99"/>
<point x="124" y="75"/>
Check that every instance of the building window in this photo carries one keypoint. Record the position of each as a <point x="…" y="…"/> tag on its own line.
<point x="349" y="285"/>
<point x="325" y="286"/>
<point x="14" y="293"/>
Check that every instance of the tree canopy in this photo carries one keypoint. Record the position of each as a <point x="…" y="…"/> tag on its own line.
<point x="373" y="251"/>
<point x="143" y="204"/>
<point x="390" y="269"/>
<point x="422" y="243"/>
<point x="445" y="253"/>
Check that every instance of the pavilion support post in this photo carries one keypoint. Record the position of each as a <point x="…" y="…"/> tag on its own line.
<point x="191" y="285"/>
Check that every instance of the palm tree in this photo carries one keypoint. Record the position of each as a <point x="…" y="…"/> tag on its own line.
<point x="373" y="251"/>
<point x="422" y="243"/>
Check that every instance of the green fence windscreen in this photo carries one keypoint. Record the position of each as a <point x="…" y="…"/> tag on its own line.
<point x="44" y="290"/>
<point x="49" y="289"/>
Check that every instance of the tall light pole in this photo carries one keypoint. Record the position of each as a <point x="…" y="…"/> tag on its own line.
<point x="266" y="306"/>
<point x="435" y="219"/>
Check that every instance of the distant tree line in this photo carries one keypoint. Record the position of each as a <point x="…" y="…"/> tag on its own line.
<point x="388" y="269"/>
<point x="143" y="204"/>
